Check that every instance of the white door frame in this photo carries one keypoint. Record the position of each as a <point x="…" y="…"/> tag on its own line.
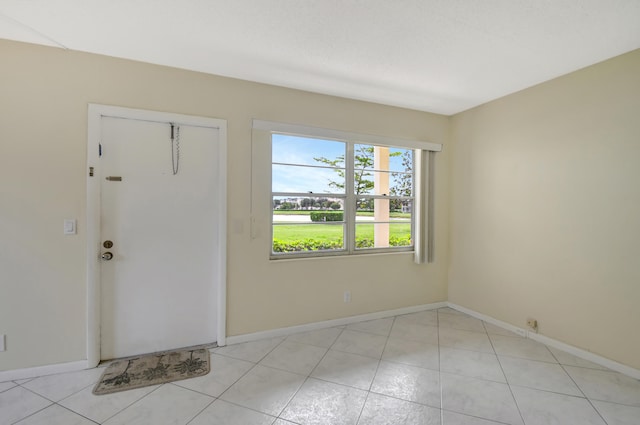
<point x="95" y="114"/>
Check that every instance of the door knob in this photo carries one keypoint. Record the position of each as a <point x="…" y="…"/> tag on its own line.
<point x="107" y="256"/>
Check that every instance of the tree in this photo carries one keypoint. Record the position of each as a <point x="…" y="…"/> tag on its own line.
<point x="289" y="206"/>
<point x="322" y="202"/>
<point x="363" y="174"/>
<point x="404" y="181"/>
<point x="363" y="163"/>
<point x="306" y="203"/>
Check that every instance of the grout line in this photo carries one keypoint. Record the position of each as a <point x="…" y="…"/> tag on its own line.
<point x="291" y="399"/>
<point x="468" y="415"/>
<point x="133" y="402"/>
<point x="76" y="413"/>
<point x="272" y="350"/>
<point x="201" y="410"/>
<point x="327" y="352"/>
<point x="39" y="395"/>
<point x="93" y="384"/>
<point x="375" y="374"/>
<point x="239" y="378"/>
<point x="138" y="400"/>
<point x="243" y="407"/>
<point x="10" y="388"/>
<point x="579" y="388"/>
<point x="279" y="416"/>
<point x="507" y="382"/>
<point x="36" y="412"/>
<point x="364" y="405"/>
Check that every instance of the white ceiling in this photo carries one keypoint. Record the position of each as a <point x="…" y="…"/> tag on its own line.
<point x="441" y="56"/>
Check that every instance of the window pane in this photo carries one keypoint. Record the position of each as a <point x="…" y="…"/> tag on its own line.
<point x="300" y="209"/>
<point x="307" y="224"/>
<point x="381" y="170"/>
<point x="399" y="159"/>
<point x="383" y="223"/>
<point x="291" y="178"/>
<point x="363" y="157"/>
<point x="383" y="235"/>
<point x="392" y="209"/>
<point x="384" y="183"/>
<point x="325" y="236"/>
<point x="307" y="151"/>
<point x="401" y="184"/>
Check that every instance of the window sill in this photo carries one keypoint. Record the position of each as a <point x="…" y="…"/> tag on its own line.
<point x="287" y="258"/>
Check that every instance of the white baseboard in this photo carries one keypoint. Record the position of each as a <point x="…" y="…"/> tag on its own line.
<point x="578" y="352"/>
<point x="331" y="323"/>
<point x="489" y="319"/>
<point x="34" y="372"/>
<point x="586" y="355"/>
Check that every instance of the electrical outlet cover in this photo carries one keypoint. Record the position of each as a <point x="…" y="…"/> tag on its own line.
<point x="69" y="226"/>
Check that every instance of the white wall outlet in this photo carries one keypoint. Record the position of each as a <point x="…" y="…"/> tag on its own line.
<point x="347" y="296"/>
<point x="533" y="324"/>
<point x="69" y="226"/>
<point x="3" y="344"/>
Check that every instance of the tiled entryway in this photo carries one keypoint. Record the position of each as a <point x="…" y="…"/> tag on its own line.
<point x="432" y="367"/>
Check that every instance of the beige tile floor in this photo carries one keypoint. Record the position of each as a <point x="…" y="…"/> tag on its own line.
<point x="433" y="367"/>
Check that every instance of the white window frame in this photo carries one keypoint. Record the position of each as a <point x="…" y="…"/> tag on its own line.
<point x="422" y="217"/>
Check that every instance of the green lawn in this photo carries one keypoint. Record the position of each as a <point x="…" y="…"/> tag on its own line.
<point x="323" y="236"/>
<point x="360" y="213"/>
<point x="333" y="232"/>
<point x="321" y="232"/>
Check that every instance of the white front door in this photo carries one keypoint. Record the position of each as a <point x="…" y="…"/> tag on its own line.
<point x="159" y="236"/>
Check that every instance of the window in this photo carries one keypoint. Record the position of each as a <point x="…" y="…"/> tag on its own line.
<point x="335" y="193"/>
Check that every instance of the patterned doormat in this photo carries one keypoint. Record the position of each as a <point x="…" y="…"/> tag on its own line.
<point x="153" y="369"/>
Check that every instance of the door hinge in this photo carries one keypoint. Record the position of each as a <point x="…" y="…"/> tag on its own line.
<point x="99" y="149"/>
<point x="90" y="171"/>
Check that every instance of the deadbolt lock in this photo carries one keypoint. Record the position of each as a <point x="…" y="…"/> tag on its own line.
<point x="107" y="244"/>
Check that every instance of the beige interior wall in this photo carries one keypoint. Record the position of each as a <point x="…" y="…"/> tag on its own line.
<point x="44" y="94"/>
<point x="544" y="205"/>
<point x="546" y="209"/>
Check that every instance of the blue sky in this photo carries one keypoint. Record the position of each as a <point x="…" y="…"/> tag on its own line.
<point x="300" y="150"/>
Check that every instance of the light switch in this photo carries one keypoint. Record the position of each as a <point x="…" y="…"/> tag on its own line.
<point x="69" y="227"/>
